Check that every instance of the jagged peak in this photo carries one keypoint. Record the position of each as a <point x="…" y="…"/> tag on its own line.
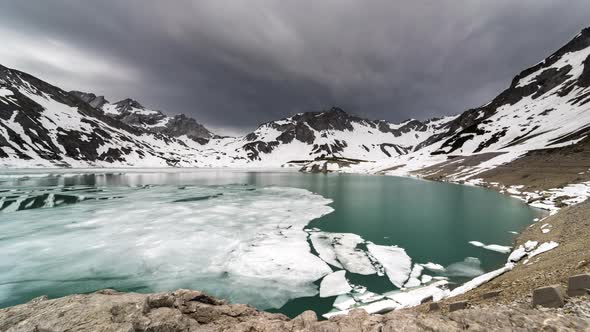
<point x="128" y="102"/>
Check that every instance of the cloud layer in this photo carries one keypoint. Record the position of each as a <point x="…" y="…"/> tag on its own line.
<point x="235" y="63"/>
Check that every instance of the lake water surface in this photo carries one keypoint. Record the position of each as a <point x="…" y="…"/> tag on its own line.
<point x="237" y="234"/>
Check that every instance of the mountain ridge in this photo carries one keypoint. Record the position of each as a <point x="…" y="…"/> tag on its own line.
<point x="546" y="105"/>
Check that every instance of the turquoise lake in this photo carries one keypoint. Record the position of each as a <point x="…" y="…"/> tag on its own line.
<point x="159" y="230"/>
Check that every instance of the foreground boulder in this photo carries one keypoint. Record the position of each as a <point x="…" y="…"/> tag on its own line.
<point x="186" y="310"/>
<point x="578" y="285"/>
<point x="549" y="297"/>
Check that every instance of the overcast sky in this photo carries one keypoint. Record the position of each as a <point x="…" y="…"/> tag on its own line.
<point x="233" y="64"/>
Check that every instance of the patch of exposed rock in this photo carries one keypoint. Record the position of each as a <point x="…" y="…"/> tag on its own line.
<point x="186" y="310"/>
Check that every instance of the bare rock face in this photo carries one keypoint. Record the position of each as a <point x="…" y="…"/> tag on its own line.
<point x="187" y="310"/>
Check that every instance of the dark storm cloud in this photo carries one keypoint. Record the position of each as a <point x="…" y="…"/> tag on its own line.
<point x="234" y="64"/>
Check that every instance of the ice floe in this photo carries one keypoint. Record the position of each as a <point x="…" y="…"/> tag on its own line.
<point x="335" y="284"/>
<point x="434" y="267"/>
<point x="341" y="250"/>
<point x="491" y="247"/>
<point x="344" y="302"/>
<point x="469" y="267"/>
<point x="396" y="263"/>
<point x="414" y="280"/>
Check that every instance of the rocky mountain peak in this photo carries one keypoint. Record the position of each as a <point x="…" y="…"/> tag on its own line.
<point x="90" y="98"/>
<point x="128" y="104"/>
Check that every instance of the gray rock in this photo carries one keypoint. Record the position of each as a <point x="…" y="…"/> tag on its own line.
<point x="435" y="306"/>
<point x="458" y="306"/>
<point x="196" y="311"/>
<point x="578" y="285"/>
<point x="305" y="319"/>
<point x="160" y="300"/>
<point x="39" y="299"/>
<point x="549" y="297"/>
<point x="491" y="294"/>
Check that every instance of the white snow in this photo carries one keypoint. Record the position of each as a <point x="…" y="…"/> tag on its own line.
<point x="517" y="254"/>
<point x="414" y="297"/>
<point x="477" y="281"/>
<point x="4" y="92"/>
<point x="530" y="245"/>
<point x="372" y="308"/>
<point x="544" y="247"/>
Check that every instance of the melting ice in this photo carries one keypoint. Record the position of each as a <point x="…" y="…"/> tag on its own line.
<point x="243" y="243"/>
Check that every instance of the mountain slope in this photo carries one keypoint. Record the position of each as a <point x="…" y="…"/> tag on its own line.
<point x="42" y="125"/>
<point x="545" y="106"/>
<point x="334" y="133"/>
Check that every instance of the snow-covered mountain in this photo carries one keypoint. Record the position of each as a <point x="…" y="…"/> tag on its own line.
<point x="133" y="113"/>
<point x="546" y="106"/>
<point x="335" y="133"/>
<point x="42" y="125"/>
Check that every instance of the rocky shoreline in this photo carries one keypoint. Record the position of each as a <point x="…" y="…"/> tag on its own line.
<point x="186" y="310"/>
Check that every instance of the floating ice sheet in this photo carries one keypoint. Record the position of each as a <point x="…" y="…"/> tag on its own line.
<point x="395" y="261"/>
<point x="335" y="284"/>
<point x="434" y="267"/>
<point x="469" y="267"/>
<point x="491" y="247"/>
<point x="341" y="250"/>
<point x="245" y="244"/>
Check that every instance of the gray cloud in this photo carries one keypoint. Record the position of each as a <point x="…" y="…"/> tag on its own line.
<point x="236" y="63"/>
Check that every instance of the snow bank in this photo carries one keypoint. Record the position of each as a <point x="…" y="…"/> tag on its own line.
<point x="475" y="282"/>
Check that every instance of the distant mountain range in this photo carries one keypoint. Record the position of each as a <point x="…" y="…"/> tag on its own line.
<point x="42" y="125"/>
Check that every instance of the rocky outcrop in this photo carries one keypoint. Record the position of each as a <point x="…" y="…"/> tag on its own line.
<point x="187" y="310"/>
<point x="133" y="113"/>
<point x="90" y="98"/>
